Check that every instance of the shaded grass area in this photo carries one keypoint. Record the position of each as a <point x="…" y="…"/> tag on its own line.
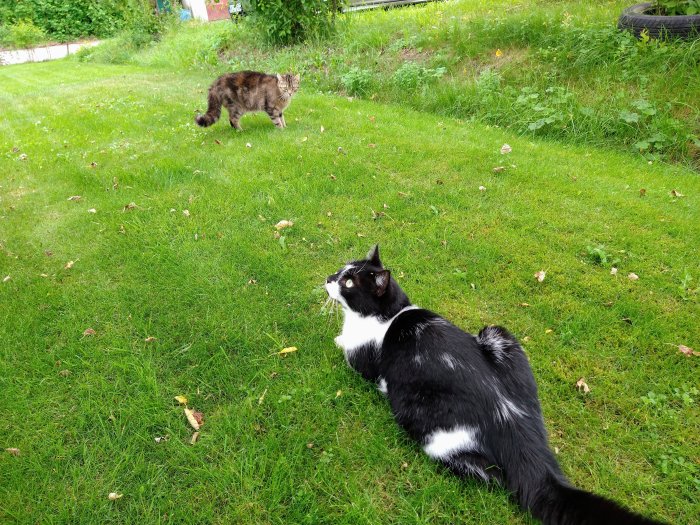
<point x="540" y="68"/>
<point x="221" y="294"/>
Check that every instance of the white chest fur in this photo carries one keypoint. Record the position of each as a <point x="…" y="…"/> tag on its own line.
<point x="359" y="330"/>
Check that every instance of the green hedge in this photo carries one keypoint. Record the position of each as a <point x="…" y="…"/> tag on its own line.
<point x="69" y="19"/>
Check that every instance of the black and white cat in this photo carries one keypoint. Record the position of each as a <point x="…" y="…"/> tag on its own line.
<point x="470" y="401"/>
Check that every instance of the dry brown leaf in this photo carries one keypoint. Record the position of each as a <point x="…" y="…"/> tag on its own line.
<point x="582" y="386"/>
<point x="540" y="275"/>
<point x="64" y="373"/>
<point x="181" y="399"/>
<point x="89" y="331"/>
<point x="613" y="271"/>
<point x="524" y="304"/>
<point x="69" y="265"/>
<point x="113" y="496"/>
<point x="499" y="169"/>
<point x="199" y="417"/>
<point x="262" y="397"/>
<point x="283" y="224"/>
<point x="194" y="438"/>
<point x="371" y="146"/>
<point x="130" y="206"/>
<point x="676" y="194"/>
<point x="93" y="164"/>
<point x="687" y="351"/>
<point x="150" y="339"/>
<point x="12" y="451"/>
<point x="372" y="118"/>
<point x="632" y="276"/>
<point x="186" y="213"/>
<point x="217" y="141"/>
<point x="23" y="156"/>
<point x="642" y="192"/>
<point x="74" y="198"/>
<point x="189" y="413"/>
<point x="505" y="149"/>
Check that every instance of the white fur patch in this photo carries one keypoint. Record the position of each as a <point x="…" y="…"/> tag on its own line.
<point x="383" y="386"/>
<point x="359" y="330"/>
<point x="506" y="409"/>
<point x="493" y="339"/>
<point x="442" y="444"/>
<point x="450" y="361"/>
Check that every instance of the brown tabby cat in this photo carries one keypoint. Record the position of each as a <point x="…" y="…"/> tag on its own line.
<point x="248" y="91"/>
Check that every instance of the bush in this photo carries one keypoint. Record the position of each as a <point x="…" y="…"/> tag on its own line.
<point x="357" y="82"/>
<point x="22" y="33"/>
<point x="285" y="22"/>
<point x="677" y="7"/>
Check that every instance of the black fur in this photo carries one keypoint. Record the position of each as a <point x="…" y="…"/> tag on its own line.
<point x="441" y="378"/>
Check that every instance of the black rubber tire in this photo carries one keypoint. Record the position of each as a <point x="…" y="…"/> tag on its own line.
<point x="636" y="19"/>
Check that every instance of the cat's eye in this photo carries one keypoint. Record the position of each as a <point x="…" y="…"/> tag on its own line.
<point x="349" y="283"/>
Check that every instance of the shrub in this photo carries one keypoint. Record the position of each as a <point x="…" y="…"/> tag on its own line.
<point x="357" y="82"/>
<point x="22" y="33"/>
<point x="677" y="7"/>
<point x="285" y="22"/>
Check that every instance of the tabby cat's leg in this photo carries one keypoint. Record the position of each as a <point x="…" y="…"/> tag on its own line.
<point x="284" y="122"/>
<point x="234" y="116"/>
<point x="276" y="117"/>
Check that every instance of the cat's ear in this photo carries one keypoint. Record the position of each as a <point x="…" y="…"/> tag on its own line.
<point x="381" y="281"/>
<point x="280" y="79"/>
<point x="373" y="256"/>
<point x="297" y="78"/>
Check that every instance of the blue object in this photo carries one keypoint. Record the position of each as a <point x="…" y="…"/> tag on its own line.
<point x="185" y="15"/>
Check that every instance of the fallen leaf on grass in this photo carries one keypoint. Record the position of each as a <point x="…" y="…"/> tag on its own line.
<point x="524" y="304"/>
<point x="371" y="146"/>
<point x="482" y="188"/>
<point x="505" y="149"/>
<point x="372" y="118"/>
<point x="181" y="399"/>
<point x="632" y="276"/>
<point x="540" y="276"/>
<point x="186" y="213"/>
<point x="23" y="156"/>
<point x="92" y="210"/>
<point x="642" y="192"/>
<point x="548" y="331"/>
<point x="687" y="351"/>
<point x="499" y="53"/>
<point x="248" y="145"/>
<point x="676" y="194"/>
<point x="194" y="438"/>
<point x="74" y="198"/>
<point x="499" y="169"/>
<point x="13" y="451"/>
<point x="89" y="331"/>
<point x="189" y="413"/>
<point x="283" y="224"/>
<point x="150" y="339"/>
<point x="7" y="278"/>
<point x="613" y="271"/>
<point x="582" y="386"/>
<point x="93" y="164"/>
<point x="338" y="394"/>
<point x="262" y="397"/>
<point x="323" y="129"/>
<point x="286" y="351"/>
<point x="113" y="496"/>
<point x="161" y="439"/>
<point x="69" y="265"/>
<point x="130" y="206"/>
<point x="217" y="141"/>
<point x="64" y="373"/>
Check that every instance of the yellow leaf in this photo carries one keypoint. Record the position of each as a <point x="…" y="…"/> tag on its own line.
<point x="287" y="350"/>
<point x="499" y="53"/>
<point x="338" y="393"/>
<point x="581" y="385"/>
<point x="189" y="413"/>
<point x="181" y="399"/>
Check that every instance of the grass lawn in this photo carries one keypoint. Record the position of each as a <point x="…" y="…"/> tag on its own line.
<point x="301" y="438"/>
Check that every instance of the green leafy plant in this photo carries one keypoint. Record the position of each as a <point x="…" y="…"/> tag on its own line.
<point x="24" y="33"/>
<point x="676" y="7"/>
<point x="284" y="22"/>
<point x="412" y="75"/>
<point x="357" y="82"/>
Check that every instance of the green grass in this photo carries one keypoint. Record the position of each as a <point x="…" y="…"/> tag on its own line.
<point x="470" y="255"/>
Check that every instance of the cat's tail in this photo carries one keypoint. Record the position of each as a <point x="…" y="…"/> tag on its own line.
<point x="557" y="503"/>
<point x="213" y="111"/>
